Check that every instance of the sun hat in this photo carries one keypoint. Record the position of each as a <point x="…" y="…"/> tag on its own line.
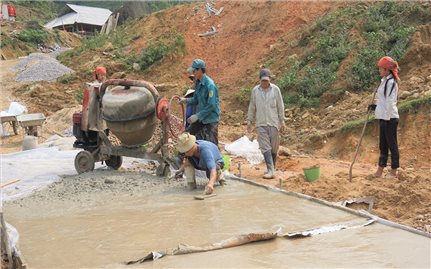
<point x="185" y="142"/>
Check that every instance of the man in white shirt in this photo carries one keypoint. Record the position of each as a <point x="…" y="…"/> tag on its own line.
<point x="266" y="110"/>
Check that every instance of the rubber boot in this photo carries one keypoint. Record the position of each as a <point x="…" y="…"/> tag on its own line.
<point x="274" y="160"/>
<point x="189" y="172"/>
<point x="269" y="165"/>
<point x="220" y="177"/>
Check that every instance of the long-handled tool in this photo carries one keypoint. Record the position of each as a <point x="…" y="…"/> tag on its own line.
<point x="360" y="139"/>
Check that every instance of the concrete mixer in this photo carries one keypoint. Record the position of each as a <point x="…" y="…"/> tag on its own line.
<point x="131" y="110"/>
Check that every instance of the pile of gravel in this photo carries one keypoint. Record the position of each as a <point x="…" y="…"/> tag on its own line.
<point x="44" y="71"/>
<point x="30" y="59"/>
<point x="41" y="67"/>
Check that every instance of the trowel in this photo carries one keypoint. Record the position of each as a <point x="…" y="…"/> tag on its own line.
<point x="204" y="196"/>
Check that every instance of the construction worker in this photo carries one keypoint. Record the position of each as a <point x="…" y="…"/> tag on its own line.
<point x="204" y="123"/>
<point x="386" y="112"/>
<point x="100" y="74"/>
<point x="266" y="111"/>
<point x="202" y="155"/>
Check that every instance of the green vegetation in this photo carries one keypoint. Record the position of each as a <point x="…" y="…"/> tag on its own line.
<point x="67" y="78"/>
<point x="408" y="106"/>
<point x="157" y="51"/>
<point x="243" y="96"/>
<point x="356" y="123"/>
<point x="32" y="36"/>
<point x="364" y="33"/>
<point x="79" y="96"/>
<point x="43" y="11"/>
<point x="414" y="105"/>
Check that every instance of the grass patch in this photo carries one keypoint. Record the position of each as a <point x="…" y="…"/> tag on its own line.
<point x="414" y="105"/>
<point x="79" y="96"/>
<point x="408" y="106"/>
<point x="243" y="96"/>
<point x="375" y="30"/>
<point x="356" y="123"/>
<point x="32" y="36"/>
<point x="387" y="29"/>
<point x="155" y="52"/>
<point x="67" y="79"/>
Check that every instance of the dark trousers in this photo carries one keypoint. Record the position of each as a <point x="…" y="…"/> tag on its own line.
<point x="388" y="141"/>
<point x="219" y="166"/>
<point x="207" y="132"/>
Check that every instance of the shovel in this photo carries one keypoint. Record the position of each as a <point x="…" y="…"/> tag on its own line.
<point x="360" y="139"/>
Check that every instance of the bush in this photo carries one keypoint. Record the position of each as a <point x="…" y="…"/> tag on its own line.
<point x="152" y="54"/>
<point x="157" y="51"/>
<point x="316" y="81"/>
<point x="67" y="78"/>
<point x="364" y="72"/>
<point x="79" y="96"/>
<point x="243" y="96"/>
<point x="291" y="98"/>
<point x="32" y="36"/>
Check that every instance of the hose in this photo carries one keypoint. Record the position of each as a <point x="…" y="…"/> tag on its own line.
<point x="183" y="112"/>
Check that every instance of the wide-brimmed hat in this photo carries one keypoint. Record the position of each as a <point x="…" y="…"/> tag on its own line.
<point x="185" y="142"/>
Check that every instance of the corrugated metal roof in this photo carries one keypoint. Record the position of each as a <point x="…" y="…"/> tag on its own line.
<point x="81" y="14"/>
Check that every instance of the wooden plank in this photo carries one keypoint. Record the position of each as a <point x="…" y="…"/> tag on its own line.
<point x="9" y="183"/>
<point x="204" y="196"/>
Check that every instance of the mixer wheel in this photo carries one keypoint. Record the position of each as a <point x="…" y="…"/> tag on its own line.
<point x="84" y="162"/>
<point x="114" y="162"/>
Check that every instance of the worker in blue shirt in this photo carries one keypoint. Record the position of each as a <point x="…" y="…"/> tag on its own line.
<point x="202" y="155"/>
<point x="203" y="124"/>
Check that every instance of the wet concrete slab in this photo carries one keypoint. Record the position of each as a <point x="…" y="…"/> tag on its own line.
<point x="124" y="227"/>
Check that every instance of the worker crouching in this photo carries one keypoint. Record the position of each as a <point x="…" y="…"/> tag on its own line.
<point x="202" y="155"/>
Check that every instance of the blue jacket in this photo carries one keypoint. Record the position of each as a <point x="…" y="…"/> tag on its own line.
<point x="206" y="97"/>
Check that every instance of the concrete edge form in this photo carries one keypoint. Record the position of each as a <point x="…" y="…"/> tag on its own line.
<point x="360" y="213"/>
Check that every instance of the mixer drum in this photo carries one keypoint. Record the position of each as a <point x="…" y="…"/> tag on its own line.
<point x="130" y="114"/>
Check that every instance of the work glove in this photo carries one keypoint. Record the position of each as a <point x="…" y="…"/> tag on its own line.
<point x="192" y="119"/>
<point x="249" y="127"/>
<point x="183" y="100"/>
<point x="371" y="107"/>
<point x="282" y="126"/>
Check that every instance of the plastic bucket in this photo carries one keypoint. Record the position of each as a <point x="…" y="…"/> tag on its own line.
<point x="312" y="173"/>
<point x="226" y="160"/>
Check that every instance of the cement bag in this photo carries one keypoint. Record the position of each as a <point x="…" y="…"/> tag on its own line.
<point x="245" y="148"/>
<point x="130" y="114"/>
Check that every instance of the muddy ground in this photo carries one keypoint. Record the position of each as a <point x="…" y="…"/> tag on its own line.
<point x="105" y="218"/>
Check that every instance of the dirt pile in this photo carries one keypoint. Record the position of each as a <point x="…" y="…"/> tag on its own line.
<point x="60" y="122"/>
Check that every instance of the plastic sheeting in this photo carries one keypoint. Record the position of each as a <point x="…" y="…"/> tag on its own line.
<point x="246" y="148"/>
